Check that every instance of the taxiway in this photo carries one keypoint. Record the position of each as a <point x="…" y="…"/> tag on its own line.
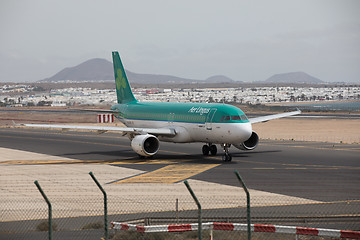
<point x="318" y="171"/>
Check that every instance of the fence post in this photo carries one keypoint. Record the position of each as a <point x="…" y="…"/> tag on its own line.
<point x="248" y="216"/>
<point x="177" y="210"/>
<point x="105" y="205"/>
<point x="199" y="209"/>
<point x="49" y="208"/>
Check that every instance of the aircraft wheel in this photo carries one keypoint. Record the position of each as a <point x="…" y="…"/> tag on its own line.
<point x="213" y="150"/>
<point x="227" y="158"/>
<point x="205" y="150"/>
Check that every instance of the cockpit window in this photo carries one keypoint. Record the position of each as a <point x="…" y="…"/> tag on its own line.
<point x="243" y="117"/>
<point x="225" y="118"/>
<point x="233" y="118"/>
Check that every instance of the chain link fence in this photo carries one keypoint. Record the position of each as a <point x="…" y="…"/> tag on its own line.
<point x="78" y="209"/>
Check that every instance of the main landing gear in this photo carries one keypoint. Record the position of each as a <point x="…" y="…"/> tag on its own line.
<point x="227" y="156"/>
<point x="210" y="148"/>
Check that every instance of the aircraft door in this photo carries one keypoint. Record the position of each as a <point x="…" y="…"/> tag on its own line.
<point x="209" y="119"/>
<point x="171" y="118"/>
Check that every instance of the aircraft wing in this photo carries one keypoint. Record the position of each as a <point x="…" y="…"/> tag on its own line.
<point x="155" y="131"/>
<point x="274" y="116"/>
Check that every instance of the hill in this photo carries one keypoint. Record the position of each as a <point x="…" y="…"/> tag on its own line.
<point x="102" y="70"/>
<point x="293" y="77"/>
<point x="219" y="79"/>
<point x="91" y="70"/>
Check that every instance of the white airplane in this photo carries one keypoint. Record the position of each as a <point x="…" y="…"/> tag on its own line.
<point x="148" y="123"/>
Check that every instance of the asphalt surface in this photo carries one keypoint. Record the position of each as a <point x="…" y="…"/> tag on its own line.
<point x="325" y="172"/>
<point x="317" y="171"/>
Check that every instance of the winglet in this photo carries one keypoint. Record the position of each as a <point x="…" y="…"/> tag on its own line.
<point x="17" y="124"/>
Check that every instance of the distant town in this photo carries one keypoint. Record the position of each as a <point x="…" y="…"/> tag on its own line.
<point x="23" y="95"/>
<point x="83" y="85"/>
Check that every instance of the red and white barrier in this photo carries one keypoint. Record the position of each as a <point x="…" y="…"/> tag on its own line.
<point x="105" y="118"/>
<point x="238" y="227"/>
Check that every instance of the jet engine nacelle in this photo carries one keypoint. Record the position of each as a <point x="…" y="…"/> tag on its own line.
<point x="249" y="144"/>
<point x="145" y="145"/>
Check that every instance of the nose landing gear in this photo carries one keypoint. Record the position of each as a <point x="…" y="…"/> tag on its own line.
<point x="211" y="149"/>
<point x="227" y="156"/>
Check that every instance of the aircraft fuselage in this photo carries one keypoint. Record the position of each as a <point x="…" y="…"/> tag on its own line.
<point x="193" y="122"/>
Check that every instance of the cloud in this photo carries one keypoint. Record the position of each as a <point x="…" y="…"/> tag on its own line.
<point x="245" y="40"/>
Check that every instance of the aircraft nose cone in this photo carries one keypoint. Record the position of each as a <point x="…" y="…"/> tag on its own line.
<point x="246" y="130"/>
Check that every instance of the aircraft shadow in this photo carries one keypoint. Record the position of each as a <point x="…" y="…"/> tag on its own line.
<point x="190" y="158"/>
<point x="106" y="153"/>
<point x="243" y="154"/>
<point x="128" y="156"/>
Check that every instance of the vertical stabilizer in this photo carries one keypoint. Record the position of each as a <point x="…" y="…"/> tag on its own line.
<point x="123" y="89"/>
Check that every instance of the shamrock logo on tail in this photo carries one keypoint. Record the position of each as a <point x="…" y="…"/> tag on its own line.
<point x="120" y="81"/>
<point x="121" y="85"/>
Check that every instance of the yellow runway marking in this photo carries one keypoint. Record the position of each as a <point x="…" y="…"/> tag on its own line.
<point x="45" y="162"/>
<point x="124" y="161"/>
<point x="261" y="168"/>
<point x="35" y="162"/>
<point x="150" y="161"/>
<point x="170" y="174"/>
<point x="293" y="168"/>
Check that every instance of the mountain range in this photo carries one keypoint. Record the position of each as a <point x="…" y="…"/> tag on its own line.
<point x="293" y="77"/>
<point x="98" y="69"/>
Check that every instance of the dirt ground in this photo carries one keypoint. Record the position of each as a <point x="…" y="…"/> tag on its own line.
<point x="45" y="115"/>
<point x="310" y="129"/>
<point x="297" y="129"/>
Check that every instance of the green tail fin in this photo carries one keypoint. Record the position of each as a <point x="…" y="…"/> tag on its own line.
<point x="123" y="89"/>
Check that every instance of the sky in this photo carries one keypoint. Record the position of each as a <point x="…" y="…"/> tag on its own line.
<point x="244" y="40"/>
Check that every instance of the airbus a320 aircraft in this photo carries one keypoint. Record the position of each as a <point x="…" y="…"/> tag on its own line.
<point x="148" y="123"/>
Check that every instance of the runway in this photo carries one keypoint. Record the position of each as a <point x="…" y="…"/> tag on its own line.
<point x="291" y="183"/>
<point x="317" y="171"/>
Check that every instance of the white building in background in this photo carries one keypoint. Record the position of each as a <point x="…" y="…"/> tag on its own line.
<point x="253" y="95"/>
<point x="58" y="104"/>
